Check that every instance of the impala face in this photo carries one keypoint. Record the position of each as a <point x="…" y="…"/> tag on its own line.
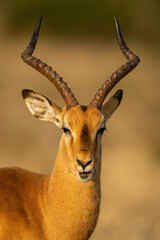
<point x="82" y="130"/>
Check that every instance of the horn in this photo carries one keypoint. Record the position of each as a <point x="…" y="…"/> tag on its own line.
<point x="121" y="72"/>
<point x="47" y="71"/>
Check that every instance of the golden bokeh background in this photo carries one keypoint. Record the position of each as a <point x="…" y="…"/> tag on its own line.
<point x="85" y="54"/>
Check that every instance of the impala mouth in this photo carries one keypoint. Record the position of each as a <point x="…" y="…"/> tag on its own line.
<point x="84" y="176"/>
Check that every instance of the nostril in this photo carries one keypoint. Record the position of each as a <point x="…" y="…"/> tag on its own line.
<point x="83" y="164"/>
<point x="89" y="162"/>
<point x="80" y="163"/>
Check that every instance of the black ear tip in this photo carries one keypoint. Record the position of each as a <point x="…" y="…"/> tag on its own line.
<point x="118" y="95"/>
<point x="26" y="93"/>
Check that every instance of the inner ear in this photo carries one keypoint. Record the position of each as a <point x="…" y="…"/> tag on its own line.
<point x="111" y="104"/>
<point x="42" y="108"/>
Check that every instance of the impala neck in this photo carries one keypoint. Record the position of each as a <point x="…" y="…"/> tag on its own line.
<point x="67" y="194"/>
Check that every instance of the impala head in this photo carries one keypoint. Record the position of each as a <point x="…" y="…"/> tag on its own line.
<point x="82" y="126"/>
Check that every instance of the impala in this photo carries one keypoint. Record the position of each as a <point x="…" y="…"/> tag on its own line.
<point x="65" y="204"/>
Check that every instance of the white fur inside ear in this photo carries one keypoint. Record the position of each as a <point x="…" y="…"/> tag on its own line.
<point x="36" y="105"/>
<point x="42" y="108"/>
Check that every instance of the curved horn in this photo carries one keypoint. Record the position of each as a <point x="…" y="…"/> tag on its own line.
<point x="47" y="71"/>
<point x="122" y="71"/>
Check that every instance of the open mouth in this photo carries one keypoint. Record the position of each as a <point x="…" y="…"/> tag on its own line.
<point x="84" y="176"/>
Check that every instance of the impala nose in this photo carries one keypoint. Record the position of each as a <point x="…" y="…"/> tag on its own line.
<point x="83" y="165"/>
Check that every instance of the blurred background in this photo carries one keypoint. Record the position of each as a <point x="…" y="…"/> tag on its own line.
<point x="78" y="39"/>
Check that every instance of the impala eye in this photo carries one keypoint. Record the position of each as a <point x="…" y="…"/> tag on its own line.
<point x="101" y="131"/>
<point x="66" y="130"/>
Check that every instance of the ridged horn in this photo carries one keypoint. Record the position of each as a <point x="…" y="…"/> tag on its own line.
<point x="122" y="71"/>
<point x="47" y="71"/>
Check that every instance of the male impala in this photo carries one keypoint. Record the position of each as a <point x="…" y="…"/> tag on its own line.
<point x="64" y="205"/>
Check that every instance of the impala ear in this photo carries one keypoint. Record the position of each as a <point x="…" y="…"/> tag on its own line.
<point x="42" y="108"/>
<point x="112" y="103"/>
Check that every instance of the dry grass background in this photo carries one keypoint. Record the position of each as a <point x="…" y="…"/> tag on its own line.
<point x="130" y="206"/>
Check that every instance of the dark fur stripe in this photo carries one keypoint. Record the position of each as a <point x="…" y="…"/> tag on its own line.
<point x="85" y="133"/>
<point x="84" y="108"/>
